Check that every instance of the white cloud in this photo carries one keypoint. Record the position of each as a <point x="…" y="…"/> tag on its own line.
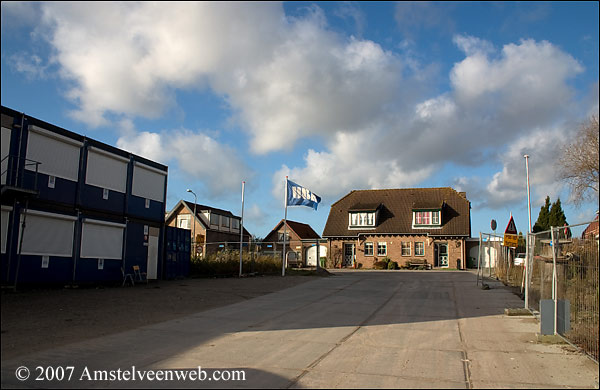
<point x="197" y="155"/>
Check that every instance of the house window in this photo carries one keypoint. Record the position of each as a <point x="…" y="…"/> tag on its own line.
<point x="381" y="249"/>
<point x="280" y="236"/>
<point x="368" y="249"/>
<point x="214" y="219"/>
<point x="426" y="218"/>
<point x="419" y="248"/>
<point x="406" y="249"/>
<point x="183" y="221"/>
<point x="362" y="219"/>
<point x="225" y="221"/>
<point x="235" y="224"/>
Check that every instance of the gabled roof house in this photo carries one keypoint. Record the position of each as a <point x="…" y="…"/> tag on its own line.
<point x="429" y="224"/>
<point x="300" y="239"/>
<point x="213" y="227"/>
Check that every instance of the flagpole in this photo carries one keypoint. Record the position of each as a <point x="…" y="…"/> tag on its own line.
<point x="284" y="228"/>
<point x="242" y="228"/>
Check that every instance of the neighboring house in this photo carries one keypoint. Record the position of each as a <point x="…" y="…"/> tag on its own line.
<point x="430" y="224"/>
<point x="75" y="209"/>
<point x="301" y="239"/>
<point x="215" y="229"/>
<point x="591" y="231"/>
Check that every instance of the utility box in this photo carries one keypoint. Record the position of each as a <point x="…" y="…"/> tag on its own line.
<point x="563" y="323"/>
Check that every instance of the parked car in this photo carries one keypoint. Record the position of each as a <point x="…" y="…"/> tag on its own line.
<point x="520" y="259"/>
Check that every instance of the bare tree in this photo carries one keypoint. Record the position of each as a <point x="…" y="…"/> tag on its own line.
<point x="578" y="164"/>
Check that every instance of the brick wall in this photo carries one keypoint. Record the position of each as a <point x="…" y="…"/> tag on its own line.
<point x="393" y="245"/>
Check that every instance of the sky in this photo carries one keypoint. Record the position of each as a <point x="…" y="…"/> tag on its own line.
<point x="339" y="96"/>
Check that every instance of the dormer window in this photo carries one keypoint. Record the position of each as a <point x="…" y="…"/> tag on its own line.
<point x="427" y="218"/>
<point x="363" y="215"/>
<point x="359" y="219"/>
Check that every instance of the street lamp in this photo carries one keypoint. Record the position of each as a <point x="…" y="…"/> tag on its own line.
<point x="194" y="222"/>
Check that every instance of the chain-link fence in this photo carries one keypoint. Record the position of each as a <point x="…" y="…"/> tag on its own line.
<point x="564" y="269"/>
<point x="497" y="261"/>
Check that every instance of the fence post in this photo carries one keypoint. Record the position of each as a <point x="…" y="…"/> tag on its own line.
<point x="554" y="276"/>
<point x="479" y="260"/>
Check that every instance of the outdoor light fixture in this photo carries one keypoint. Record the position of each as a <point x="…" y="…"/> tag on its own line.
<point x="194" y="222"/>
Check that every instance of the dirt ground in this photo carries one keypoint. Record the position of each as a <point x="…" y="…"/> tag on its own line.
<point x="38" y="319"/>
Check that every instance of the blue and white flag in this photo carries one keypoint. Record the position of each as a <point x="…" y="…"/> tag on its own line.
<point x="300" y="196"/>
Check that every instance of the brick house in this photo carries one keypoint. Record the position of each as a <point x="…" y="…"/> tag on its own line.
<point x="429" y="224"/>
<point x="215" y="228"/>
<point x="301" y="239"/>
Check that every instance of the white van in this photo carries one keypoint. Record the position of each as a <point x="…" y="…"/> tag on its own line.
<point x="520" y="259"/>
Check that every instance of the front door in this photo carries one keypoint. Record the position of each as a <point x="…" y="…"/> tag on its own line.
<point x="443" y="255"/>
<point x="348" y="255"/>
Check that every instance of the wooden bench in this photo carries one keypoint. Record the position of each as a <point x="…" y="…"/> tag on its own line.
<point x="418" y="264"/>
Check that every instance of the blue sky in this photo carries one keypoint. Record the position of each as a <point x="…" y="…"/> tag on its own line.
<point x="337" y="95"/>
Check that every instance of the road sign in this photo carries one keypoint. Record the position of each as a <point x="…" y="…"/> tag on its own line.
<point x="493" y="225"/>
<point x="511" y="240"/>
<point x="510" y="234"/>
<point x="511" y="228"/>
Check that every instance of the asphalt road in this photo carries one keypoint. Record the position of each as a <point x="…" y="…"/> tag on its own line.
<point x="387" y="329"/>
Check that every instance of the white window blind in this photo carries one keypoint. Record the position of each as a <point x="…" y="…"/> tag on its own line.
<point x="101" y="240"/>
<point x="58" y="155"/>
<point x="5" y="215"/>
<point x="106" y="170"/>
<point x="47" y="234"/>
<point x="148" y="182"/>
<point x="5" y="151"/>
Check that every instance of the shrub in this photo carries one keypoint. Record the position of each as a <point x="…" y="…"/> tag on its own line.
<point x="380" y="265"/>
<point x="392" y="265"/>
<point x="227" y="263"/>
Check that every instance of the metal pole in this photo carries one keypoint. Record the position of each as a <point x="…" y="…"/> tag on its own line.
<point x="554" y="244"/>
<point x="525" y="279"/>
<point x="194" y="222"/>
<point x="284" y="228"/>
<point x="242" y="228"/>
<point x="479" y="260"/>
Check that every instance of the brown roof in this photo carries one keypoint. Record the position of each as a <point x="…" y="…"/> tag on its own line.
<point x="304" y="231"/>
<point x="396" y="211"/>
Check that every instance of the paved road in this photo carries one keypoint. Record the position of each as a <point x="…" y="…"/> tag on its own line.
<point x="419" y="329"/>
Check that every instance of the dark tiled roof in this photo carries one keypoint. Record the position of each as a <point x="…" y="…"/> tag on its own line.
<point x="365" y="207"/>
<point x="200" y="208"/>
<point x="396" y="211"/>
<point x="303" y="230"/>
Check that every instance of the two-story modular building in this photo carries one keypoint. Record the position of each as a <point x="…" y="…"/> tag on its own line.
<point x="214" y="228"/>
<point x="429" y="224"/>
<point x="75" y="209"/>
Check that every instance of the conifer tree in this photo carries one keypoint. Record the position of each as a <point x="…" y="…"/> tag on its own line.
<point x="543" y="221"/>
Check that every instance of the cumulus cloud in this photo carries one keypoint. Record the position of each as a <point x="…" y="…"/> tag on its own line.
<point x="197" y="155"/>
<point x="286" y="79"/>
<point x="501" y="106"/>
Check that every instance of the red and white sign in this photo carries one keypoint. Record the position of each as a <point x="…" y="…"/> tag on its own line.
<point x="511" y="228"/>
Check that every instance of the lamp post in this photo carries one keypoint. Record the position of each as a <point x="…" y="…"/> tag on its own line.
<point x="194" y="222"/>
<point x="526" y="268"/>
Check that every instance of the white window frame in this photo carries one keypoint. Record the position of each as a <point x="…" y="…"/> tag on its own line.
<point x="361" y="219"/>
<point x="381" y="245"/>
<point x="406" y="245"/>
<point x="184" y="218"/>
<point x="422" y="245"/>
<point x="371" y="254"/>
<point x="420" y="218"/>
